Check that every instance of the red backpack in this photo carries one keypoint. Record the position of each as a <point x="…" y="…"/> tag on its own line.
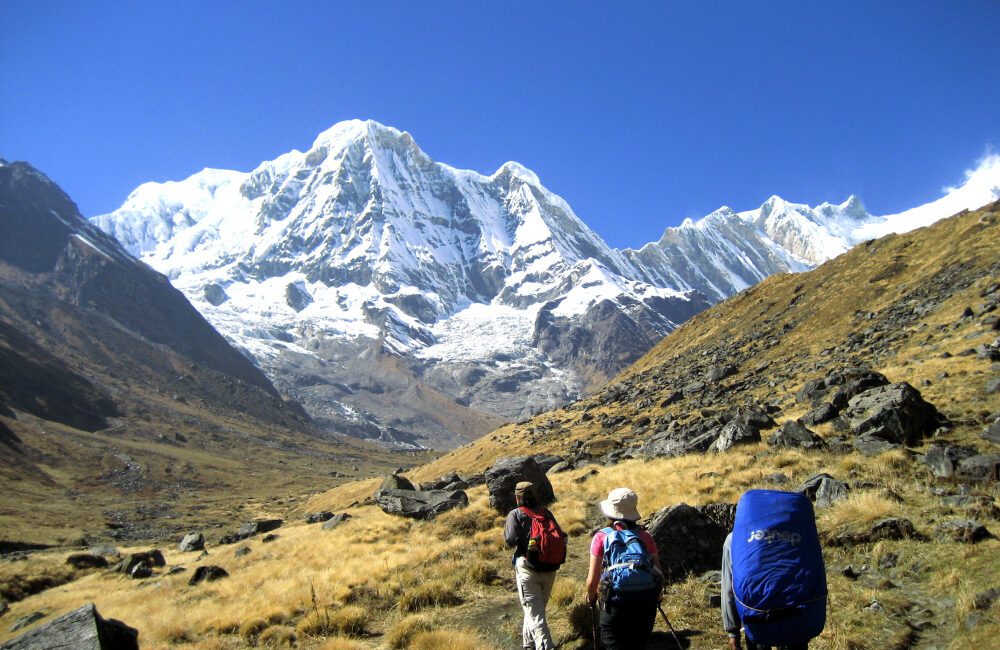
<point x="546" y="542"/>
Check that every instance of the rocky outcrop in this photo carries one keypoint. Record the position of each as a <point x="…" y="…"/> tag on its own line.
<point x="81" y="629"/>
<point x="192" y="542"/>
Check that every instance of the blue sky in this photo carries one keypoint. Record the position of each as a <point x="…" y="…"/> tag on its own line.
<point x="638" y="114"/>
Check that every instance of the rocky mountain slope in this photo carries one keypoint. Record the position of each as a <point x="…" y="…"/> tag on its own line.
<point x="116" y="396"/>
<point x="401" y="299"/>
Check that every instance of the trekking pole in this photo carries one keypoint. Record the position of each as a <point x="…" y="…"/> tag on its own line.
<point x="593" y="622"/>
<point x="664" y="614"/>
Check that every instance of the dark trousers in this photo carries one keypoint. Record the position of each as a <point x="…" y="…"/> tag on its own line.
<point x="752" y="645"/>
<point x="627" y="623"/>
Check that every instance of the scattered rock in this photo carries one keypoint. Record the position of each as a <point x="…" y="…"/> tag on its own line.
<point x="735" y="433"/>
<point x="81" y="628"/>
<point x="897" y="412"/>
<point x="777" y="479"/>
<point x="941" y="460"/>
<point x="241" y="551"/>
<point x="992" y="433"/>
<point x="890" y="528"/>
<point x="336" y="520"/>
<point x="418" y="504"/>
<point x="871" y="444"/>
<point x="979" y="468"/>
<point x="151" y="558"/>
<point x="822" y="413"/>
<point x="823" y="490"/>
<point x="207" y="573"/>
<point x="506" y="473"/>
<point x="318" y="517"/>
<point x="140" y="571"/>
<point x="794" y="434"/>
<point x="396" y="482"/>
<point x="560" y="467"/>
<point x="962" y="530"/>
<point x="87" y="561"/>
<point x="192" y="542"/>
<point x="250" y="529"/>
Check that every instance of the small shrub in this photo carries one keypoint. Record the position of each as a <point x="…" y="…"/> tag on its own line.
<point x="467" y="521"/>
<point x="400" y="634"/>
<point x="341" y="644"/>
<point x="581" y="624"/>
<point x="277" y="636"/>
<point x="482" y="573"/>
<point x="565" y="591"/>
<point x="435" y="592"/>
<point x="447" y="640"/>
<point x="350" y="620"/>
<point x="252" y="627"/>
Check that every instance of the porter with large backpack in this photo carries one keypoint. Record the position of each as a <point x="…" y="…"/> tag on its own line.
<point x="779" y="580"/>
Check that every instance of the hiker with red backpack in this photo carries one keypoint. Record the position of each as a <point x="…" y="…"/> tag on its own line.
<point x="625" y="571"/>
<point x="773" y="575"/>
<point x="539" y="549"/>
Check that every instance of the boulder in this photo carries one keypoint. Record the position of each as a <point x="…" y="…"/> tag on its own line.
<point x="335" y="521"/>
<point x="103" y="549"/>
<point x="890" y="528"/>
<point x="813" y="389"/>
<point x="982" y="467"/>
<point x="81" y="629"/>
<point x="250" y="529"/>
<point x="151" y="558"/>
<point x="822" y="413"/>
<point x="506" y="473"/>
<point x="754" y="417"/>
<point x="794" y="434"/>
<point x="318" y="517"/>
<point x="872" y="444"/>
<point x="140" y="571"/>
<point x="941" y="460"/>
<point x="420" y="504"/>
<point x="735" y="433"/>
<point x="962" y="530"/>
<point x="243" y="550"/>
<point x="992" y="433"/>
<point x="207" y="573"/>
<point x="87" y="561"/>
<point x="823" y="490"/>
<point x="396" y="482"/>
<point x="719" y="373"/>
<point x="855" y="381"/>
<point x="897" y="411"/>
<point x="560" y="467"/>
<point x="689" y="541"/>
<point x="192" y="542"/>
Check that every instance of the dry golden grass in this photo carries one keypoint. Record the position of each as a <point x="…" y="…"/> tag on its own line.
<point x="278" y="636"/>
<point x="428" y="594"/>
<point x="341" y="644"/>
<point x="403" y="631"/>
<point x="565" y="591"/>
<point x="448" y="640"/>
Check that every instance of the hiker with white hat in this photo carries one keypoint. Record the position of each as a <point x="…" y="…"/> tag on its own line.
<point x="625" y="570"/>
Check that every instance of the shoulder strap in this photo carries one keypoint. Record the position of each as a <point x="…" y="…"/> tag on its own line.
<point x="532" y="513"/>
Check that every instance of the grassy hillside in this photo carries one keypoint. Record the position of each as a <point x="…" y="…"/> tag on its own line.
<point x="909" y="306"/>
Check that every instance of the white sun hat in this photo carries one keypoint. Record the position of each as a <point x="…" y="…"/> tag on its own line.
<point x="621" y="504"/>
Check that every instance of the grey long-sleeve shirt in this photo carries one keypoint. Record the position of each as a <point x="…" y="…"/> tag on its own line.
<point x="730" y="615"/>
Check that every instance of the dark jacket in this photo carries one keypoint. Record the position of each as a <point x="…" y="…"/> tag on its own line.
<point x="516" y="532"/>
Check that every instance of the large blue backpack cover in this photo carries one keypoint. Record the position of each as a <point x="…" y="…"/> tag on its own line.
<point x="779" y="579"/>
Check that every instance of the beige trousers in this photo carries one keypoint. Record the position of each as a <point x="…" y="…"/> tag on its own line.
<point x="534" y="589"/>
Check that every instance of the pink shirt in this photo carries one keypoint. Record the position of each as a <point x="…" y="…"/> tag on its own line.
<point x="597" y="546"/>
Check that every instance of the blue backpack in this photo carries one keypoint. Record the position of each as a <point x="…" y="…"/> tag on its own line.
<point x="627" y="566"/>
<point x="779" y="580"/>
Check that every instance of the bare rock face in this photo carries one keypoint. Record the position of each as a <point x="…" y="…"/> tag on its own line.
<point x="81" y="629"/>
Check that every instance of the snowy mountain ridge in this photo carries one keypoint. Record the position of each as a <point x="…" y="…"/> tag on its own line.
<point x="489" y="289"/>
